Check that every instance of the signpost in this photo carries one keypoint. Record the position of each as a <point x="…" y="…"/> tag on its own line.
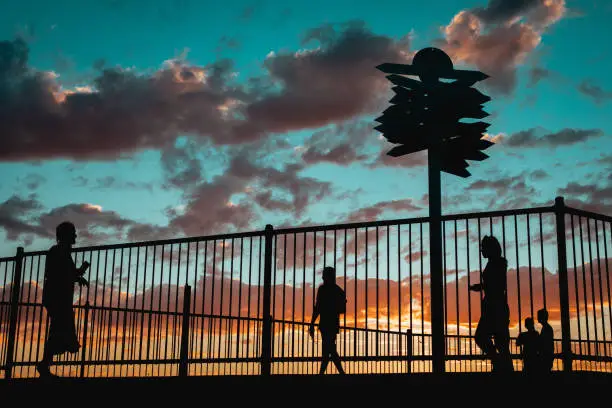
<point x="425" y="115"/>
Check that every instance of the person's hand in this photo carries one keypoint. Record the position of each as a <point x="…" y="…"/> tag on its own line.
<point x="82" y="281"/>
<point x="311" y="331"/>
<point x="84" y="267"/>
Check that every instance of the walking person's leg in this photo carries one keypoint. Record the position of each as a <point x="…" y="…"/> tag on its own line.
<point x="335" y="357"/>
<point x="326" y="346"/>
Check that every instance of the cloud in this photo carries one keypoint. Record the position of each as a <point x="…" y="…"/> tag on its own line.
<point x="565" y="137"/>
<point x="375" y="211"/>
<point x="342" y="144"/>
<point x="16" y="214"/>
<point x="594" y="91"/>
<point x="122" y="112"/>
<point x="498" y="38"/>
<point x="536" y="74"/>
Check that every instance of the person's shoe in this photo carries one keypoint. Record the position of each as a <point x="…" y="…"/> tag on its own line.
<point x="44" y="372"/>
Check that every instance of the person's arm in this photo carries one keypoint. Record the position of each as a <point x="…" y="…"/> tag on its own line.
<point x="315" y="314"/>
<point x="477" y="287"/>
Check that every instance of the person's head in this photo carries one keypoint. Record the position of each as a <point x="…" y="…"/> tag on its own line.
<point x="542" y="316"/>
<point x="529" y="324"/>
<point x="65" y="233"/>
<point x="329" y="275"/>
<point x="490" y="247"/>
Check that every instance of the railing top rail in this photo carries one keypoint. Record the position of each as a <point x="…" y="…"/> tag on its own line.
<point x="416" y="220"/>
<point x="341" y="226"/>
<point x="588" y="214"/>
<point x="158" y="242"/>
<point x="8" y="259"/>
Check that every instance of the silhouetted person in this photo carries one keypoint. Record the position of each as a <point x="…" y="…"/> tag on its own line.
<point x="530" y="343"/>
<point x="547" y="344"/>
<point x="60" y="276"/>
<point x="330" y="303"/>
<point x="495" y="314"/>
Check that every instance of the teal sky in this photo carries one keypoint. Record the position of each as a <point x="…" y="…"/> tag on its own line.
<point x="552" y="126"/>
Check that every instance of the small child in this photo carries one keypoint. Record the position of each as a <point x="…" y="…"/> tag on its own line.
<point x="547" y="344"/>
<point x="529" y="342"/>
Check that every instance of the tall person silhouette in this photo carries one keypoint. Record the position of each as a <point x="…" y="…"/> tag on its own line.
<point x="495" y="313"/>
<point x="58" y="291"/>
<point x="329" y="305"/>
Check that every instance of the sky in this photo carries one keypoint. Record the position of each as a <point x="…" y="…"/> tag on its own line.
<point x="160" y="119"/>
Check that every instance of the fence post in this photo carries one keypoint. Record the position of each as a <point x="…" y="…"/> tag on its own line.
<point x="266" y="336"/>
<point x="15" y="294"/>
<point x="184" y="357"/>
<point x="85" y="324"/>
<point x="566" y="346"/>
<point x="409" y="350"/>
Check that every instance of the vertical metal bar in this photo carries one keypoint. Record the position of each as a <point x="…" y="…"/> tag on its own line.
<point x="388" y="291"/>
<point x="273" y="342"/>
<point x="314" y="285"/>
<point x="518" y="272"/>
<point x="469" y="282"/>
<point x="283" y="333"/>
<point x="303" y="297"/>
<point x="175" y="316"/>
<point x="542" y="259"/>
<point x="584" y="287"/>
<point x="576" y="284"/>
<point x="248" y="342"/>
<point x="211" y="323"/>
<point x="529" y="264"/>
<point x="601" y="297"/>
<point x="399" y="287"/>
<point x="355" y="298"/>
<point x="457" y="288"/>
<point x="267" y="318"/>
<point x="15" y="292"/>
<point x="344" y="349"/>
<point x="563" y="284"/>
<point x="592" y="285"/>
<point x="366" y="299"/>
<point x="422" y="290"/>
<point x="230" y="323"/>
<point x="184" y="353"/>
<point x="607" y="279"/>
<point x="293" y="300"/>
<point x="83" y="350"/>
<point x="239" y="324"/>
<point x="220" y="340"/>
<point x="377" y="298"/>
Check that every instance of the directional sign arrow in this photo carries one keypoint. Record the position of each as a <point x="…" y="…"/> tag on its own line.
<point x="405" y="69"/>
<point x="405" y="149"/>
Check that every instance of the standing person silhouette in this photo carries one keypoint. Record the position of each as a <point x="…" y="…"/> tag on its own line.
<point x="529" y="342"/>
<point x="495" y="313"/>
<point x="60" y="276"/>
<point x="547" y="342"/>
<point x="330" y="303"/>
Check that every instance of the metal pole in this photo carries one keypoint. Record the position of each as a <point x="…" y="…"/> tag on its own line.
<point x="566" y="346"/>
<point x="184" y="356"/>
<point x="15" y="294"/>
<point x="85" y="324"/>
<point x="435" y="259"/>
<point x="266" y="336"/>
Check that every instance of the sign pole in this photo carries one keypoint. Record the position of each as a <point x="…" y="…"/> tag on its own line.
<point x="436" y="277"/>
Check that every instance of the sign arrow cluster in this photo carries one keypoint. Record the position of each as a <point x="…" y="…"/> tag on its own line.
<point x="423" y="112"/>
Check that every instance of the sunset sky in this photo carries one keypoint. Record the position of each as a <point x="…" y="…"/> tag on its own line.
<point x="141" y="120"/>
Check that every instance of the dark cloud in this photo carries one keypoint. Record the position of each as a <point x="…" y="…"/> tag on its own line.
<point x="123" y="112"/>
<point x="341" y="144"/>
<point x="597" y="197"/>
<point x="374" y="212"/>
<point x="594" y="91"/>
<point x="32" y="181"/>
<point x="536" y="74"/>
<point x="418" y="159"/>
<point x="565" y="137"/>
<point x="16" y="214"/>
<point x="499" y="37"/>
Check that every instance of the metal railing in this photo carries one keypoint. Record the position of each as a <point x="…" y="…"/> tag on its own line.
<point x="241" y="303"/>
